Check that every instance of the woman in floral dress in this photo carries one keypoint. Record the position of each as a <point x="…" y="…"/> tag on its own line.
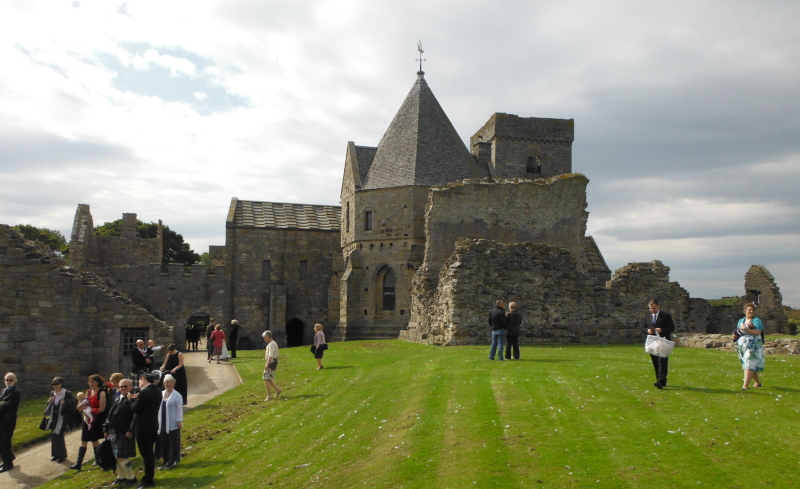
<point x="750" y="347"/>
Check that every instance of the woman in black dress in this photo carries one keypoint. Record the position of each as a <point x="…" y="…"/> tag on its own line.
<point x="173" y="365"/>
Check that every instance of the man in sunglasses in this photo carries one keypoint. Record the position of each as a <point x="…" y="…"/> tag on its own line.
<point x="9" y="403"/>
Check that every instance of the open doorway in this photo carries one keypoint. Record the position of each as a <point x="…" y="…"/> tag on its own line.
<point x="196" y="330"/>
<point x="295" y="330"/>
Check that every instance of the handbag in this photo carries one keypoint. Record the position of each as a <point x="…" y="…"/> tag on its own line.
<point x="105" y="456"/>
<point x="324" y="346"/>
<point x="43" y="423"/>
<point x="313" y="350"/>
<point x="658" y="345"/>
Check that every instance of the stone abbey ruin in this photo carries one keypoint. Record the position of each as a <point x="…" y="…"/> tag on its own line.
<point x="428" y="235"/>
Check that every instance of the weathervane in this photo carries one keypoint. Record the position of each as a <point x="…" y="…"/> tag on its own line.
<point x="419" y="48"/>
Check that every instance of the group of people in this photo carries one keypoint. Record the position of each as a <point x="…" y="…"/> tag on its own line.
<point x="505" y="331"/>
<point x="143" y="361"/>
<point x="748" y="335"/>
<point x="147" y="418"/>
<point x="272" y="353"/>
<point x="194" y="332"/>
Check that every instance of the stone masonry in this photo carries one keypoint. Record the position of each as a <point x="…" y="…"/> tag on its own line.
<point x="56" y="320"/>
<point x="559" y="302"/>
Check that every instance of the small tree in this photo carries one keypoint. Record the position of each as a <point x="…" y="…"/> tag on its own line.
<point x="174" y="249"/>
<point x="50" y="237"/>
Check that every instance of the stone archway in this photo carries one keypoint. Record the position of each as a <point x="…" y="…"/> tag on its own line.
<point x="295" y="331"/>
<point x="198" y="321"/>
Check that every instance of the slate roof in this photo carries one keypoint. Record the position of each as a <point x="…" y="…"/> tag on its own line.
<point x="365" y="155"/>
<point x="594" y="258"/>
<point x="277" y="215"/>
<point x="421" y="146"/>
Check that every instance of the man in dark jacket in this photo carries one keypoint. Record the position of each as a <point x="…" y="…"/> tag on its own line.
<point x="9" y="404"/>
<point x="145" y="410"/>
<point x="119" y="424"/>
<point x="497" y="321"/>
<point x="513" y="322"/>
<point x="660" y="322"/>
<point x="141" y="359"/>
<point x="232" y="337"/>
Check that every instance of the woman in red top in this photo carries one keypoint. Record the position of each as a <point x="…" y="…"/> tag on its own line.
<point x="217" y="339"/>
<point x="97" y="400"/>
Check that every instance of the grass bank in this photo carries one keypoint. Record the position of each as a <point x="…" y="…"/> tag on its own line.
<point x="395" y="414"/>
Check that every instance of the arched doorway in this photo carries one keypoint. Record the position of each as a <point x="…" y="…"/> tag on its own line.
<point x="295" y="330"/>
<point x="196" y="329"/>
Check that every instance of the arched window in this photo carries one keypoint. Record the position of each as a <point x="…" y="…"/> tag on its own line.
<point x="534" y="166"/>
<point x="388" y="291"/>
<point x="368" y="221"/>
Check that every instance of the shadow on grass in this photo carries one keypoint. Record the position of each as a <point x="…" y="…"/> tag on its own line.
<point x="339" y="366"/>
<point x="544" y="360"/>
<point x="302" y="396"/>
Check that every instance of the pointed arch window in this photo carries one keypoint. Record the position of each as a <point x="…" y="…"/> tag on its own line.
<point x="368" y="221"/>
<point x="389" y="300"/>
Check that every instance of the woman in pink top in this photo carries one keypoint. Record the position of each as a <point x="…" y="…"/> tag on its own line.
<point x="217" y="339"/>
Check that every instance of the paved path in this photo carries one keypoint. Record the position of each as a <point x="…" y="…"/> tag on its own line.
<point x="33" y="466"/>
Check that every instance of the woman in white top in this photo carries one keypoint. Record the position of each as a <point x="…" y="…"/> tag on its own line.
<point x="271" y="357"/>
<point x="170" y="423"/>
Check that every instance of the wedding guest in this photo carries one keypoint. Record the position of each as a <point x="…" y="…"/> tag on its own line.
<point x="217" y="338"/>
<point x="119" y="431"/>
<point x="271" y="357"/>
<point x="60" y="407"/>
<point x="319" y="344"/>
<point x="9" y="404"/>
<point x="750" y="347"/>
<point x="513" y="322"/>
<point x="96" y="395"/>
<point x="170" y="423"/>
<point x="173" y="365"/>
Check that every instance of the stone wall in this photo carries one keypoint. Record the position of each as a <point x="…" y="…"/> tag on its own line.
<point x="252" y="293"/>
<point x="88" y="251"/>
<point x="551" y="211"/>
<point x="56" y="320"/>
<point x="760" y="287"/>
<point x="173" y="293"/>
<point x="559" y="303"/>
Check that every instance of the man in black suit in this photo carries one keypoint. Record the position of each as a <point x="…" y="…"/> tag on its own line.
<point x="660" y="322"/>
<point x="142" y="359"/>
<point x="145" y="410"/>
<point x="232" y="337"/>
<point x="9" y="403"/>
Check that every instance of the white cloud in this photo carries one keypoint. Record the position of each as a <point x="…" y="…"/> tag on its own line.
<point x="258" y="99"/>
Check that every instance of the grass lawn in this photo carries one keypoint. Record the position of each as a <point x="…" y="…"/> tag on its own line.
<point x="28" y="418"/>
<point x="396" y="414"/>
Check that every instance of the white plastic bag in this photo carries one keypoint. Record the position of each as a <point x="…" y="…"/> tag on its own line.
<point x="658" y="345"/>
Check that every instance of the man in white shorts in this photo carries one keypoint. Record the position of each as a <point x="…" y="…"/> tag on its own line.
<point x="271" y="356"/>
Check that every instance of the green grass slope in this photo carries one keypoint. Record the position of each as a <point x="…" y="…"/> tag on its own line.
<point x="400" y="415"/>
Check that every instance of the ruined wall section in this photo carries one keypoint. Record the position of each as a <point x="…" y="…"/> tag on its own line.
<point x="559" y="303"/>
<point x="551" y="211"/>
<point x="88" y="251"/>
<point x="56" y="320"/>
<point x="760" y="287"/>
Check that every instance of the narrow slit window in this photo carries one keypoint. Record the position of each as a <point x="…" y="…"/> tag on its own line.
<point x="368" y="221"/>
<point x="303" y="270"/>
<point x="389" y="292"/>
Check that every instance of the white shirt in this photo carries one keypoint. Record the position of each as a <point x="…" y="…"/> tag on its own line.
<point x="271" y="350"/>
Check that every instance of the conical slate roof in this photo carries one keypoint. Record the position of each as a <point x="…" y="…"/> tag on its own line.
<point x="421" y="146"/>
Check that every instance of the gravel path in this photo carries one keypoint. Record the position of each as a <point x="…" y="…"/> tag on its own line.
<point x="33" y="466"/>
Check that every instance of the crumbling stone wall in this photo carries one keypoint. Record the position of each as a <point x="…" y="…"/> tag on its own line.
<point x="56" y="320"/>
<point x="88" y="251"/>
<point x="559" y="303"/>
<point x="760" y="287"/>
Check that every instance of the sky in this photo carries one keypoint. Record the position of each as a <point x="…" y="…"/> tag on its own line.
<point x="687" y="113"/>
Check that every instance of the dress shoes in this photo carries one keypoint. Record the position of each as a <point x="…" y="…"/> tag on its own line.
<point x="658" y="385"/>
<point x="6" y="468"/>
